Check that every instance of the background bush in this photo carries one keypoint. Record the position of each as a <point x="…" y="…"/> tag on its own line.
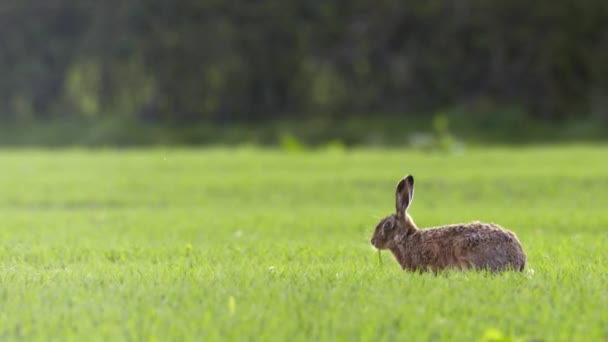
<point x="241" y="61"/>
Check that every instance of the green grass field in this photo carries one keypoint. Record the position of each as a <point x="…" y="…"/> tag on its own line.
<point x="246" y="244"/>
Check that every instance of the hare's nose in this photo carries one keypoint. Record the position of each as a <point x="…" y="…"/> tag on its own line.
<point x="373" y="242"/>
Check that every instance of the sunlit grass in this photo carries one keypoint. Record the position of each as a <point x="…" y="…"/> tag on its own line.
<point x="246" y="244"/>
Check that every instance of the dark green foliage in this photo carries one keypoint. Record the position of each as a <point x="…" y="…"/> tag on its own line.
<point x="226" y="61"/>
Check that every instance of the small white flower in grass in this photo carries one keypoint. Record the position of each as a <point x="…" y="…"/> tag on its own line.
<point x="271" y="269"/>
<point x="530" y="272"/>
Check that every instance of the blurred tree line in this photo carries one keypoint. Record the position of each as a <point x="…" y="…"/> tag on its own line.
<point x="228" y="60"/>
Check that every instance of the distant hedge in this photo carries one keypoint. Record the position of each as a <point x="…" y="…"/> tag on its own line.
<point x="237" y="61"/>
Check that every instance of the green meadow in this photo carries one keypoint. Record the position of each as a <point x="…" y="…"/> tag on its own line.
<point x="247" y="244"/>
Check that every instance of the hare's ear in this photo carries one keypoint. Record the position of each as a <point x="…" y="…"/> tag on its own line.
<point x="405" y="195"/>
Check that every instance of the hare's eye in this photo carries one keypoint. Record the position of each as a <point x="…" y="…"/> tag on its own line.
<point x="388" y="225"/>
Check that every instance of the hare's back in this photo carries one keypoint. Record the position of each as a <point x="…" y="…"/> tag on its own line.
<point x="482" y="245"/>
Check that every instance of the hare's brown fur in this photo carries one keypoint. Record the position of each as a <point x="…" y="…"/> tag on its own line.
<point x="474" y="245"/>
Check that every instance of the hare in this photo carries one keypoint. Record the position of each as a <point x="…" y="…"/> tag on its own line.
<point x="475" y="245"/>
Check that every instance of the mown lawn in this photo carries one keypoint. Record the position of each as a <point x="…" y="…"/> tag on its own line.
<point x="246" y="244"/>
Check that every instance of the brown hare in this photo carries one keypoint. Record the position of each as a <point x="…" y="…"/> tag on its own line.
<point x="475" y="245"/>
